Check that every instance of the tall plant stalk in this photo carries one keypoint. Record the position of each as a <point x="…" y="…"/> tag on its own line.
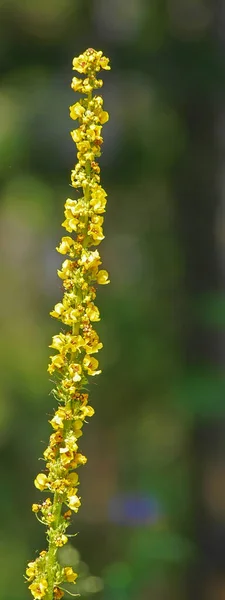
<point x="77" y="342"/>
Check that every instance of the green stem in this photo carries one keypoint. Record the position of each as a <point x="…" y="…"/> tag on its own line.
<point x="52" y="551"/>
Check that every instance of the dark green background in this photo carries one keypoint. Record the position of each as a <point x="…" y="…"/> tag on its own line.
<point x="152" y="522"/>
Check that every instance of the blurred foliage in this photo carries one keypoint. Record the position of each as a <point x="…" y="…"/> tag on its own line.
<point x="167" y="72"/>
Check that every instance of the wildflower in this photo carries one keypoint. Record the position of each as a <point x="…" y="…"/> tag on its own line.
<point x="103" y="277"/>
<point x="35" y="507"/>
<point x="31" y="570"/>
<point x="65" y="245"/>
<point x="61" y="540"/>
<point x="91" y="364"/>
<point x="72" y="361"/>
<point x="69" y="574"/>
<point x="38" y="590"/>
<point x="74" y="502"/>
<point x="41" y="481"/>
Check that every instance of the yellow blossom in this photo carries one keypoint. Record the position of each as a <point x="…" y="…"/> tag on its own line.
<point x="103" y="277"/>
<point x="60" y="416"/>
<point x="58" y="310"/>
<point x="41" y="481"/>
<point x="95" y="231"/>
<point x="58" y="342"/>
<point x="76" y="111"/>
<point x="75" y="372"/>
<point x="57" y="363"/>
<point x="61" y="540"/>
<point x="74" y="502"/>
<point x="35" y="508"/>
<point x="98" y="200"/>
<point x="90" y="260"/>
<point x="67" y="269"/>
<point x="81" y="459"/>
<point x="73" y="478"/>
<point x="104" y="63"/>
<point x="92" y="343"/>
<point x="103" y="117"/>
<point x="77" y="84"/>
<point x="71" y="442"/>
<point x="39" y="589"/>
<point x="65" y="245"/>
<point x="92" y="312"/>
<point x="87" y="411"/>
<point x="31" y="570"/>
<point x="77" y="428"/>
<point x="69" y="574"/>
<point x="91" y="364"/>
<point x="49" y="454"/>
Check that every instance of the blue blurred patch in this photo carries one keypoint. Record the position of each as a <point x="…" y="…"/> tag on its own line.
<point x="134" y="509"/>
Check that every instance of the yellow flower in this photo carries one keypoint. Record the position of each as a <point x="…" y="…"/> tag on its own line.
<point x="69" y="386"/>
<point x="65" y="245"/>
<point x="88" y="86"/>
<point x="92" y="312"/>
<point x="98" y="203"/>
<point x="49" y="453"/>
<point x="31" y="570"/>
<point x="70" y="225"/>
<point x="61" y="540"/>
<point x="67" y="269"/>
<point x="77" y="428"/>
<point x="66" y="456"/>
<point x="83" y="146"/>
<point x="92" y="343"/>
<point x="36" y="507"/>
<point x="72" y="478"/>
<point x="73" y="502"/>
<point x="75" y="208"/>
<point x="76" y="111"/>
<point x="104" y="63"/>
<point x="81" y="459"/>
<point x="61" y="415"/>
<point x="75" y="372"/>
<point x="103" y="277"/>
<point x="77" y="135"/>
<point x="57" y="363"/>
<point x="39" y="589"/>
<point x="103" y="117"/>
<point x="58" y="342"/>
<point x="87" y="411"/>
<point x="91" y="364"/>
<point x="95" y="231"/>
<point x="41" y="481"/>
<point x="58" y="310"/>
<point x="90" y="260"/>
<point x="80" y="64"/>
<point x="71" y="442"/>
<point x="56" y="438"/>
<point x="59" y="485"/>
<point x="69" y="574"/>
<point x="77" y="84"/>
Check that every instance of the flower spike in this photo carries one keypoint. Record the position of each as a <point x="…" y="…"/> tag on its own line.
<point x="74" y="348"/>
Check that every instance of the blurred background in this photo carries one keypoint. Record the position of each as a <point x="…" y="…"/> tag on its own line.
<point x="152" y="521"/>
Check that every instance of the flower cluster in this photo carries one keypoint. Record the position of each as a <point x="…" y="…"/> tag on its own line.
<point x="76" y="346"/>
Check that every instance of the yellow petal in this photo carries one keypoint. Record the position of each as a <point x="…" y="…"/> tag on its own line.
<point x="103" y="277"/>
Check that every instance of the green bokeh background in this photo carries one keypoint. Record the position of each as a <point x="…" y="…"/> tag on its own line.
<point x="152" y="522"/>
